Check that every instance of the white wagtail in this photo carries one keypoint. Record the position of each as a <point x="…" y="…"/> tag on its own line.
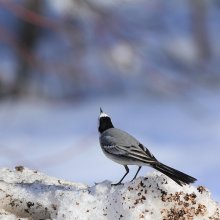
<point x="124" y="149"/>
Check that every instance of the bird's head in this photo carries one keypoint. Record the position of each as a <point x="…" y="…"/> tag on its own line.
<point x="104" y="122"/>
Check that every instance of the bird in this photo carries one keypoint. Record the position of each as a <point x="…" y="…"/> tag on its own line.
<point x="123" y="148"/>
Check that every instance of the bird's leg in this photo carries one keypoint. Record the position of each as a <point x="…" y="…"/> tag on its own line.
<point x="136" y="173"/>
<point x="127" y="171"/>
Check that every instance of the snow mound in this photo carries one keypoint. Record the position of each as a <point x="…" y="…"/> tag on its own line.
<point x="28" y="194"/>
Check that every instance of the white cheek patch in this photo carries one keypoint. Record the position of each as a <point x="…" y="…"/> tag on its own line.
<point x="103" y="115"/>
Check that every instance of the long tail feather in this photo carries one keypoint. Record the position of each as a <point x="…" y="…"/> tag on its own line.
<point x="177" y="176"/>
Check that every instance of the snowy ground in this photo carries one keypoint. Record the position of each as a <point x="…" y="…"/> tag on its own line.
<point x="32" y="195"/>
<point x="61" y="139"/>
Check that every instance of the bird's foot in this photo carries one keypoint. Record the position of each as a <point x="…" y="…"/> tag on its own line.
<point x="117" y="184"/>
<point x="132" y="180"/>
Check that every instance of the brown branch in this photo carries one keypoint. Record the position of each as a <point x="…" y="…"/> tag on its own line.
<point x="28" y="15"/>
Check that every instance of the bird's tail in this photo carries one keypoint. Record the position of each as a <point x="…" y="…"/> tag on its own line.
<point x="177" y="176"/>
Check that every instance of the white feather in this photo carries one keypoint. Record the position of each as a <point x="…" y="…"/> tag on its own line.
<point x="103" y="114"/>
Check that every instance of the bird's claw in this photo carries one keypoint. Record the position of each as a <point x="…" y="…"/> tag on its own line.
<point x="116" y="184"/>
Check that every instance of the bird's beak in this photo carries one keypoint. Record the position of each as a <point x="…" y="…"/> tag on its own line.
<point x="101" y="110"/>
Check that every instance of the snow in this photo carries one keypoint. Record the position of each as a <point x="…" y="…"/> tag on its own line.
<point x="26" y="193"/>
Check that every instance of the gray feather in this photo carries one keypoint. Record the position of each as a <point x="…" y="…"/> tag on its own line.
<point x="123" y="148"/>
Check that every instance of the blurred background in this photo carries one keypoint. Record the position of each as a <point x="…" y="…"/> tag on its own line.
<point x="153" y="66"/>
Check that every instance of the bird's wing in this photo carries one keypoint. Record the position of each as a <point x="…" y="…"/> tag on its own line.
<point x="135" y="152"/>
<point x="115" y="149"/>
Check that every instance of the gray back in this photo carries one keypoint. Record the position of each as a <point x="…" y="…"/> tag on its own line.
<point x="115" y="136"/>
